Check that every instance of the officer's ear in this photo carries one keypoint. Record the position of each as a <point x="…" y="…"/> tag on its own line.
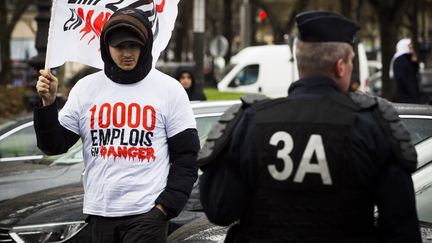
<point x="340" y="68"/>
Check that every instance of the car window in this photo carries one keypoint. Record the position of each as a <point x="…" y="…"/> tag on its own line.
<point x="248" y="75"/>
<point x="420" y="129"/>
<point x="20" y="143"/>
<point x="72" y="156"/>
<point x="204" y="125"/>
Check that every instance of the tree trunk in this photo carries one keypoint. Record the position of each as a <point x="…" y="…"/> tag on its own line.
<point x="6" y="74"/>
<point x="346" y="8"/>
<point x="390" y="14"/>
<point x="298" y="7"/>
<point x="8" y="22"/>
<point x="388" y="42"/>
<point x="414" y="25"/>
<point x="183" y="25"/>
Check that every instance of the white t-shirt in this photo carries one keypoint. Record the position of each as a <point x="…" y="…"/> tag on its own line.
<point x="124" y="129"/>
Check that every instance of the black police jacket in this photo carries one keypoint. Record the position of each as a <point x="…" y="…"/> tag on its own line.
<point x="233" y="188"/>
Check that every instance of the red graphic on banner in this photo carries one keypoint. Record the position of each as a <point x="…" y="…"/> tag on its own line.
<point x="92" y="26"/>
<point x="160" y="7"/>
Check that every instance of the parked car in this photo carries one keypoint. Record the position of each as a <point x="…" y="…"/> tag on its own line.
<point x="24" y="168"/>
<point x="201" y="230"/>
<point x="22" y="177"/>
<point x="17" y="140"/>
<point x="55" y="214"/>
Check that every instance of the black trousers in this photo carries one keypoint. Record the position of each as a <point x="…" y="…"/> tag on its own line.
<point x="149" y="227"/>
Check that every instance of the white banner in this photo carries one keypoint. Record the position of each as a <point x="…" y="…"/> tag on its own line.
<point x="76" y="25"/>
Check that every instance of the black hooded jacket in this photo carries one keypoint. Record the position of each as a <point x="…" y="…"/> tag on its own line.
<point x="407" y="82"/>
<point x="52" y="138"/>
<point x="137" y="22"/>
<point x="195" y="92"/>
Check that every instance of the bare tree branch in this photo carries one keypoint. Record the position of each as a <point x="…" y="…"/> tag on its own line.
<point x="6" y="28"/>
<point x="298" y="7"/>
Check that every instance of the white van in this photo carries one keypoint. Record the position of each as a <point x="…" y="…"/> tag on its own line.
<point x="270" y="70"/>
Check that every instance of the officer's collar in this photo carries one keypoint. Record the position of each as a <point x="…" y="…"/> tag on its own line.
<point x="319" y="83"/>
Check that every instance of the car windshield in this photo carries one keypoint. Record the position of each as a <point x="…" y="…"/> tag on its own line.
<point x="18" y="142"/>
<point x="74" y="155"/>
<point x="204" y="124"/>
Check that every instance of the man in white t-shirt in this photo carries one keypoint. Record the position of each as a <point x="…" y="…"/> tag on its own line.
<point x="138" y="131"/>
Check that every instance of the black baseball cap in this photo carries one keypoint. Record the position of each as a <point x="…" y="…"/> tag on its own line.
<point x="120" y="35"/>
<point x="324" y="26"/>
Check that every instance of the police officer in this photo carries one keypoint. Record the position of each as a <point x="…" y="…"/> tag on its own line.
<point x="312" y="167"/>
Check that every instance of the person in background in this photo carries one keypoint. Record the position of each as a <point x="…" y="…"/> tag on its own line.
<point x="187" y="80"/>
<point x="138" y="132"/>
<point x="316" y="165"/>
<point x="404" y="69"/>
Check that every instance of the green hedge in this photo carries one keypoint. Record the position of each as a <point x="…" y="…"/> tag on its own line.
<point x="214" y="94"/>
<point x="11" y="102"/>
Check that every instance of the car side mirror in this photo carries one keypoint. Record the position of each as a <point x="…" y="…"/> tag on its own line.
<point x="235" y="83"/>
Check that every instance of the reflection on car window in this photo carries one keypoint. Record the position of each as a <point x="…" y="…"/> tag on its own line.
<point x="21" y="143"/>
<point x="247" y="76"/>
<point x="204" y="124"/>
<point x="420" y="129"/>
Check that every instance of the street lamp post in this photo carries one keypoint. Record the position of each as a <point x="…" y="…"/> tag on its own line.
<point x="38" y="62"/>
<point x="42" y="19"/>
<point x="245" y="24"/>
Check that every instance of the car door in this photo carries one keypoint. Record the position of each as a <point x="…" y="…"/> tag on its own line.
<point x="422" y="180"/>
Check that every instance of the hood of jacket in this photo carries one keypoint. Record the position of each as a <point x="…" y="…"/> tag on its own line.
<point x="136" y="21"/>
<point x="189" y="71"/>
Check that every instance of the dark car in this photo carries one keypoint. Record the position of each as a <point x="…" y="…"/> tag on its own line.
<point x="23" y="167"/>
<point x="17" y="140"/>
<point x="55" y="214"/>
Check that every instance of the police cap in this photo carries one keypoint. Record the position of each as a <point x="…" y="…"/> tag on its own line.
<point x="323" y="26"/>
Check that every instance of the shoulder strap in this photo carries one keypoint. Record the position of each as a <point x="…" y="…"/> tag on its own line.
<point x="394" y="129"/>
<point x="220" y="134"/>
